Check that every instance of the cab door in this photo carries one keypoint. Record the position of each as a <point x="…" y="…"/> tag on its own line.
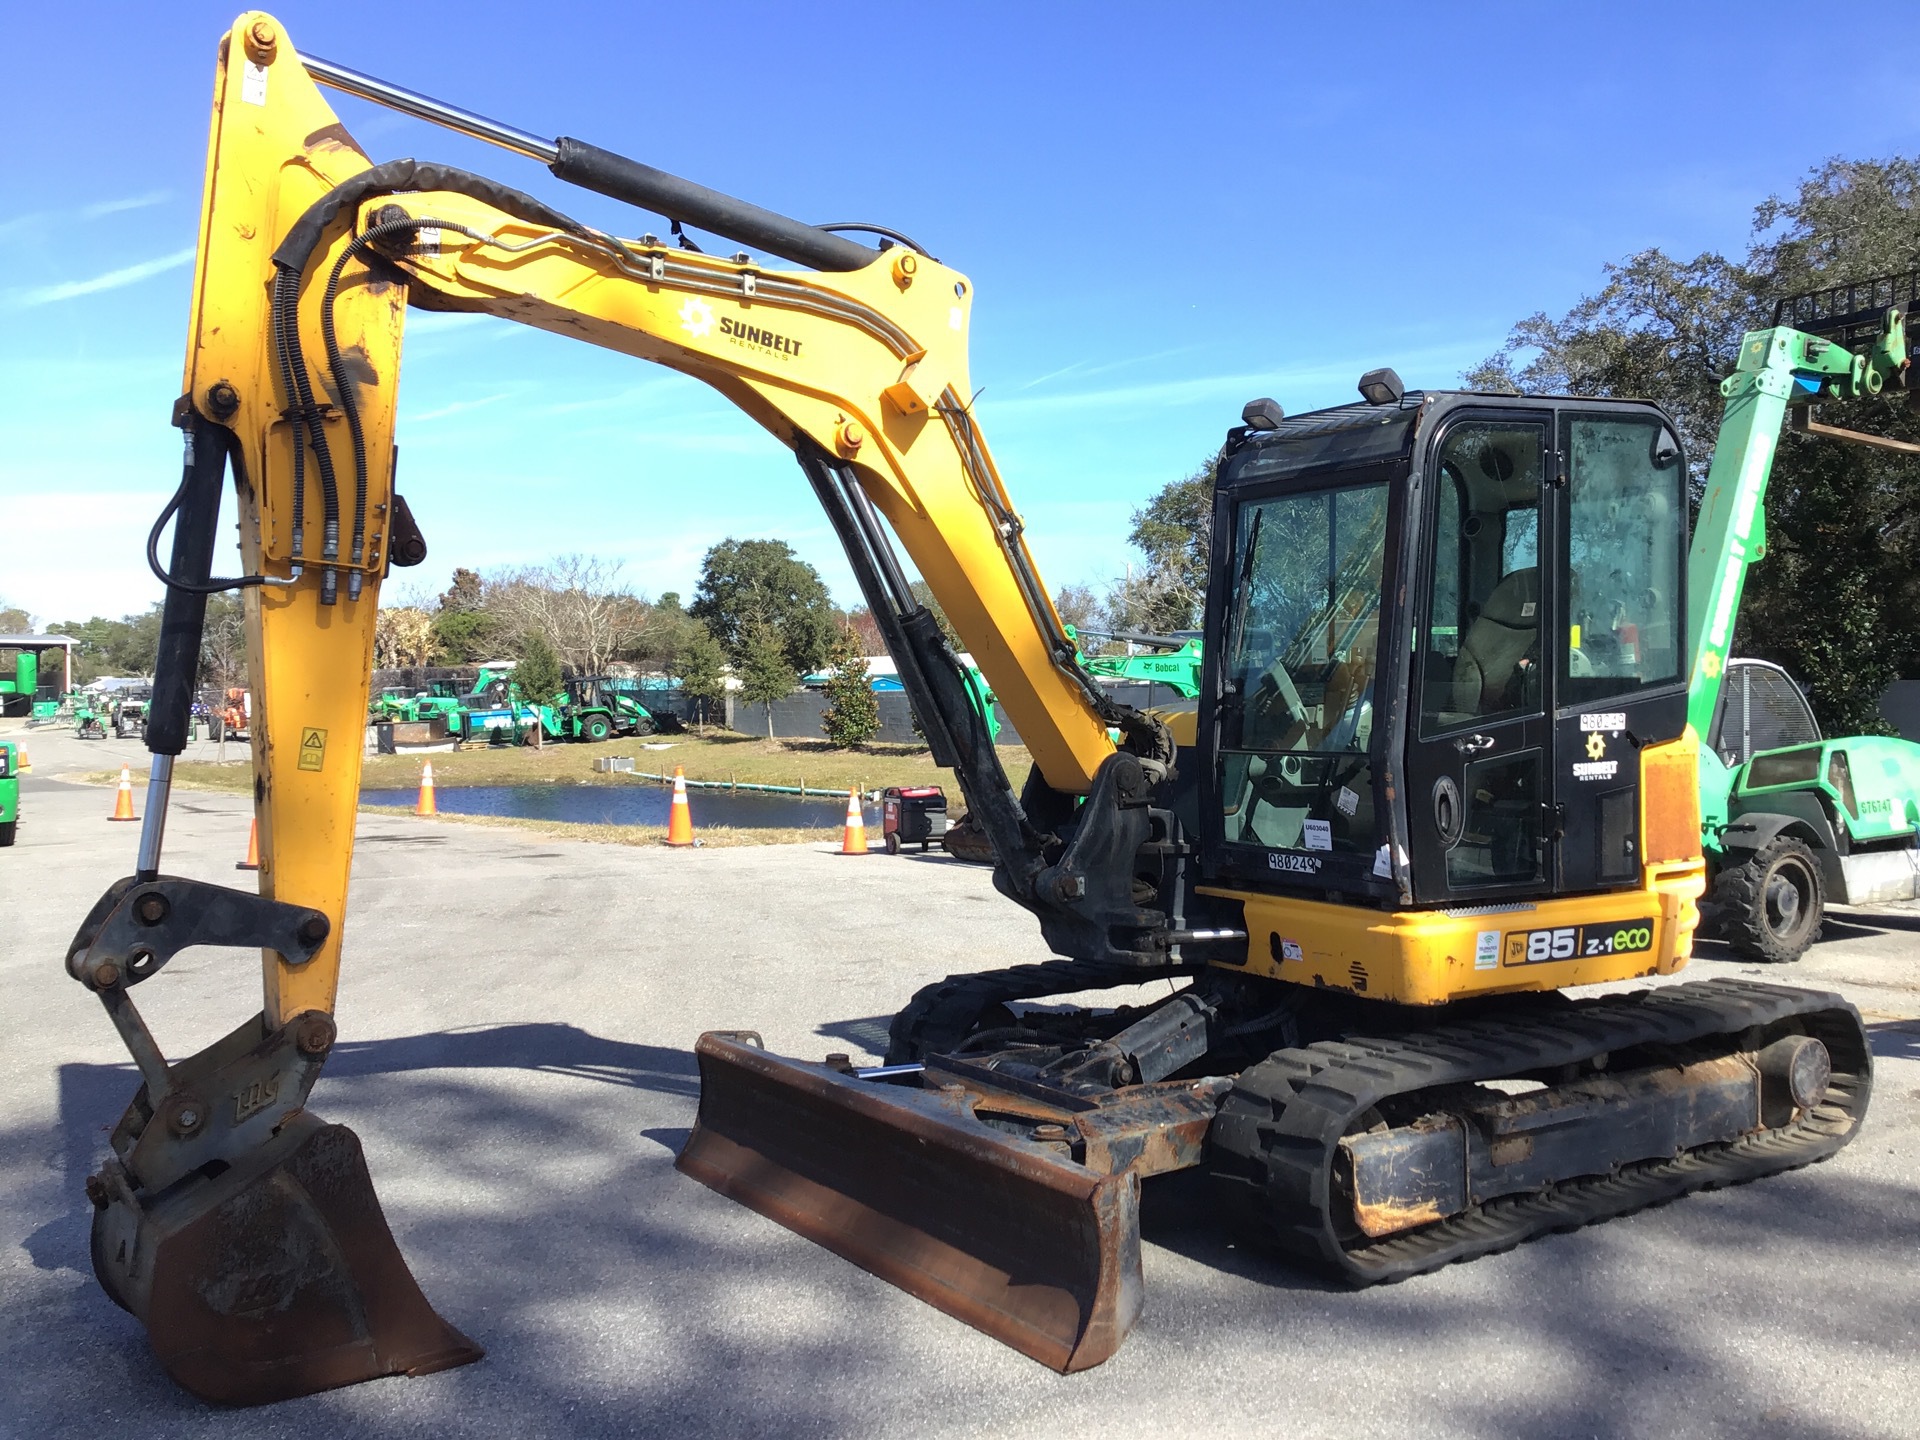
<point x="1480" y="741"/>
<point x="1621" y="532"/>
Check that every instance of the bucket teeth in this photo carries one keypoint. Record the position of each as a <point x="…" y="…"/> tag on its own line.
<point x="1004" y="1234"/>
<point x="277" y="1278"/>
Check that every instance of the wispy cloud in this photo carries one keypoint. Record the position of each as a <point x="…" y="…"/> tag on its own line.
<point x="130" y="202"/>
<point x="111" y="280"/>
<point x="93" y="210"/>
<point x="1436" y="365"/>
<point x="457" y="407"/>
<point x="1084" y="371"/>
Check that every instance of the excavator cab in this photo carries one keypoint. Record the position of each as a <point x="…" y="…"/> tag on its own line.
<point x="1453" y="622"/>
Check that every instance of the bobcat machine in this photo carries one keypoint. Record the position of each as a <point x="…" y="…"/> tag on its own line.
<point x="1419" y="796"/>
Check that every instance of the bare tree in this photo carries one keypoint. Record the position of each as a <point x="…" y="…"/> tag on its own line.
<point x="223" y="643"/>
<point x="402" y="636"/>
<point x="578" y="604"/>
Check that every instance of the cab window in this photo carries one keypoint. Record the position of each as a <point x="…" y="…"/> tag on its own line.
<point x="1480" y="660"/>
<point x="1626" y="542"/>
<point x="1298" y="723"/>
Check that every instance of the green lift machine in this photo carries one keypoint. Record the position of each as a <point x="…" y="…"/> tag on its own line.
<point x="1792" y="821"/>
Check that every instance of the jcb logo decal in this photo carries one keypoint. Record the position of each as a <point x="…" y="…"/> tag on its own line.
<point x="1569" y="942"/>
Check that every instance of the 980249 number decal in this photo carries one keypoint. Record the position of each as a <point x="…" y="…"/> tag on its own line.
<point x="1572" y="942"/>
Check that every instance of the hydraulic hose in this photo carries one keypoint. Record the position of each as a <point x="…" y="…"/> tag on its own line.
<point x="196" y="508"/>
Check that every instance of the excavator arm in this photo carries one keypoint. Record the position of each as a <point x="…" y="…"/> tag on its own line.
<point x="224" y="1189"/>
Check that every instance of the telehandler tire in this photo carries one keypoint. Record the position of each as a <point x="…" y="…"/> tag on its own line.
<point x="7" y="833"/>
<point x="1771" y="907"/>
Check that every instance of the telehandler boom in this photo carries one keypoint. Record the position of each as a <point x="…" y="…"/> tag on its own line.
<point x="1417" y="796"/>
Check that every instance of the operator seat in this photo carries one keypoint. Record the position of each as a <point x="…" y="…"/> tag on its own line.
<point x="1485" y="677"/>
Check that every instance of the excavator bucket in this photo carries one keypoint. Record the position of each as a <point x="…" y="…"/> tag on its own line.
<point x="276" y="1278"/>
<point x="998" y="1231"/>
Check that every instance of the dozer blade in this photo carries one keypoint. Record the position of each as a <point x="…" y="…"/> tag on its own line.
<point x="275" y="1279"/>
<point x="1002" y="1233"/>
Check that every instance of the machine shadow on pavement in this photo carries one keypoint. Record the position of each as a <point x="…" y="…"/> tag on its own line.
<point x="1894" y="1039"/>
<point x="92" y="1097"/>
<point x="1578" y="1298"/>
<point x="1863" y="925"/>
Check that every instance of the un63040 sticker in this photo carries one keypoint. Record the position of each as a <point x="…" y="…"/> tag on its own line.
<point x="1575" y="942"/>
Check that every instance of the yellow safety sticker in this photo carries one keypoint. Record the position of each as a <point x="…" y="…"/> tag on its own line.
<point x="313" y="748"/>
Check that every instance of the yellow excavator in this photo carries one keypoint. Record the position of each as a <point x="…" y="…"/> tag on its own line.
<point x="1428" y="785"/>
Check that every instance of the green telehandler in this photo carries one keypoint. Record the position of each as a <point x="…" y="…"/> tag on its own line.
<point x="1791" y="821"/>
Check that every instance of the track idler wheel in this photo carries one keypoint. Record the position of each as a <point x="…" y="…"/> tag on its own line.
<point x="276" y="1278"/>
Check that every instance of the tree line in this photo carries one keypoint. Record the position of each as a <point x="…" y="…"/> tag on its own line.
<point x="757" y="608"/>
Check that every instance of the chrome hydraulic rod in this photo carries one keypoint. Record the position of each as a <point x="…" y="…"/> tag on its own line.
<point x="153" y="826"/>
<point x="616" y="176"/>
<point x="425" y="107"/>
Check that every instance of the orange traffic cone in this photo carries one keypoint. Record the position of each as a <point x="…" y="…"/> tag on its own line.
<point x="123" y="805"/>
<point x="854" y="841"/>
<point x="680" y="820"/>
<point x="252" y="862"/>
<point x="425" y="804"/>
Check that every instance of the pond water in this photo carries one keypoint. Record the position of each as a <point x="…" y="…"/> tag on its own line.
<point x="634" y="805"/>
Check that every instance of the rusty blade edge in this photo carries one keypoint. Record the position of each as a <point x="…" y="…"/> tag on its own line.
<point x="1104" y="1298"/>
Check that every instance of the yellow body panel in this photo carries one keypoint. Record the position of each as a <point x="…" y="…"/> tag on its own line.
<point x="1430" y="957"/>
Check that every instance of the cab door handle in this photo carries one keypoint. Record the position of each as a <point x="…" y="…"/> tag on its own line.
<point x="1474" y="744"/>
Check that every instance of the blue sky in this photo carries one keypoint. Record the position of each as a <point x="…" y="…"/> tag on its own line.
<point x="1165" y="210"/>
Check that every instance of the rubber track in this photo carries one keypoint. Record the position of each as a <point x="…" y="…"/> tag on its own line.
<point x="1285" y="1117"/>
<point x="943" y="1014"/>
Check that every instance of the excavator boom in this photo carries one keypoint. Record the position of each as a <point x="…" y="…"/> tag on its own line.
<point x="309" y="256"/>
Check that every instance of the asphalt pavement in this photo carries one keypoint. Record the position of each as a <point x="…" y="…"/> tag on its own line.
<point x="517" y="1017"/>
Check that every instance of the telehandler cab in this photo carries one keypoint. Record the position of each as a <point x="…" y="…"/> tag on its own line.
<point x="1425" y="787"/>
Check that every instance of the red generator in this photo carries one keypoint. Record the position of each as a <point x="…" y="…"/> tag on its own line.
<point x="912" y="814"/>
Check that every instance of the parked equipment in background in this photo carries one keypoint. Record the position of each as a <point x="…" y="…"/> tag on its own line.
<point x="232" y="717"/>
<point x="127" y="713"/>
<point x="10" y="767"/>
<point x="398" y="705"/>
<point x="597" y="707"/>
<point x="912" y="815"/>
<point x="22" y="687"/>
<point x="90" y="716"/>
<point x="1795" y="822"/>
<point x="1441" y="769"/>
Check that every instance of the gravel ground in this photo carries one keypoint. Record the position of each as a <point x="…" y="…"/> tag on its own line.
<point x="517" y="1015"/>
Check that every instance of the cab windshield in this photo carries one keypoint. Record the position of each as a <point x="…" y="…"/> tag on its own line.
<point x="1298" y="720"/>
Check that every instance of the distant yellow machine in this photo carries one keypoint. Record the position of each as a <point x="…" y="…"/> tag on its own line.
<point x="1422" y="790"/>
